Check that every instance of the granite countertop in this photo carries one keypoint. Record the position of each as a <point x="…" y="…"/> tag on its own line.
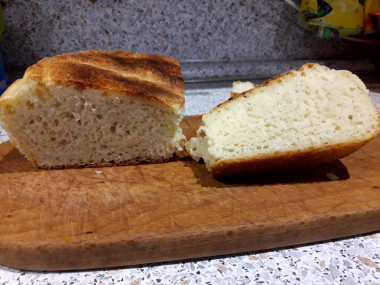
<point x="354" y="260"/>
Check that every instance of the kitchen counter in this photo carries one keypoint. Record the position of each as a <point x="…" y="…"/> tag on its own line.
<point x="354" y="260"/>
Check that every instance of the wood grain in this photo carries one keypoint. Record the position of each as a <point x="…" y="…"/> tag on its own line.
<point x="128" y="215"/>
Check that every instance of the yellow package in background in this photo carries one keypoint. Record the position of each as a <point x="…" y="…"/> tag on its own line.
<point x="333" y="18"/>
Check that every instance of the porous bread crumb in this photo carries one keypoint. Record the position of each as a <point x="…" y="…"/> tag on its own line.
<point x="59" y="126"/>
<point x="332" y="176"/>
<point x="296" y="113"/>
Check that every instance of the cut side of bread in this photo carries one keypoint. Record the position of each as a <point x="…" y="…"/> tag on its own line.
<point x="297" y="119"/>
<point x="96" y="108"/>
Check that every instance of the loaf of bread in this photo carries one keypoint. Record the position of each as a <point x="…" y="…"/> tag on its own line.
<point x="96" y="108"/>
<point x="297" y="119"/>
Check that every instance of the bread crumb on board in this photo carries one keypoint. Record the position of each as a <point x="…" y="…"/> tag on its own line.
<point x="332" y="176"/>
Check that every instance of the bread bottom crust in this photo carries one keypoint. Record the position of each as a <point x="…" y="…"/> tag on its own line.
<point x="136" y="161"/>
<point x="287" y="160"/>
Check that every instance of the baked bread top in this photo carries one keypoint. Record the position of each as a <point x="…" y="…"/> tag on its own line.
<point x="152" y="76"/>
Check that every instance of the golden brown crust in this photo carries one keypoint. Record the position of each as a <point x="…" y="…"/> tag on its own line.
<point x="154" y="77"/>
<point x="286" y="160"/>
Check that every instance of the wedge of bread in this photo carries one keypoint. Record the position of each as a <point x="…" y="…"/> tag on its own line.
<point x="96" y="108"/>
<point x="297" y="119"/>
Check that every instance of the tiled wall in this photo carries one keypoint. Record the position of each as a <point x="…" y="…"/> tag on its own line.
<point x="211" y="38"/>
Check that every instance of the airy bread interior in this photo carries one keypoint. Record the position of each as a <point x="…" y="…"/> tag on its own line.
<point x="56" y="126"/>
<point x="299" y="111"/>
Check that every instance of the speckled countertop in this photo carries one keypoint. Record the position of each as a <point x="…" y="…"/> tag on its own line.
<point x="350" y="261"/>
<point x="253" y="39"/>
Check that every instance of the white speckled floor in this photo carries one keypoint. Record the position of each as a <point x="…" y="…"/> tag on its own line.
<point x="348" y="261"/>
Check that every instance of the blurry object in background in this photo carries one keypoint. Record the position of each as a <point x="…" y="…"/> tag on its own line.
<point x="336" y="18"/>
<point x="3" y="82"/>
<point x="371" y="16"/>
<point x="331" y="19"/>
<point x="372" y="23"/>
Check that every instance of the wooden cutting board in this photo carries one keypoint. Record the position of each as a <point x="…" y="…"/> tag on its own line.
<point x="105" y="217"/>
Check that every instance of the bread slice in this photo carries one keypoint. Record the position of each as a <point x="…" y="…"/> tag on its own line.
<point x="297" y="119"/>
<point x="239" y="87"/>
<point x="96" y="108"/>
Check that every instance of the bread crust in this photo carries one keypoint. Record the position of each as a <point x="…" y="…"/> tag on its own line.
<point x="136" y="161"/>
<point x="286" y="160"/>
<point x="150" y="76"/>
